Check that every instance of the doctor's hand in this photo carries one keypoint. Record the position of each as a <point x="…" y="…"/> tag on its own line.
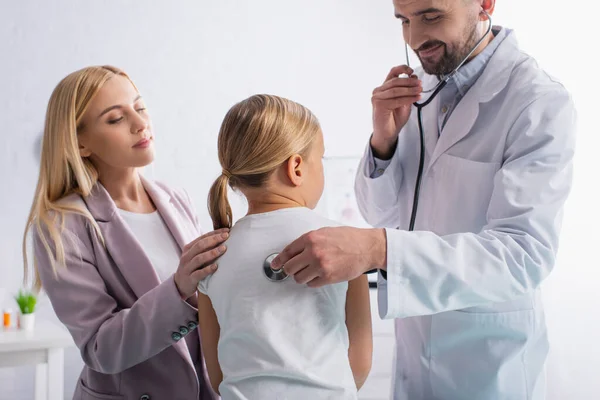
<point x="198" y="261"/>
<point x="332" y="255"/>
<point x="392" y="103"/>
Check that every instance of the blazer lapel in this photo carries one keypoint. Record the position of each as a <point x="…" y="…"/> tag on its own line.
<point x="166" y="207"/>
<point x="121" y="244"/>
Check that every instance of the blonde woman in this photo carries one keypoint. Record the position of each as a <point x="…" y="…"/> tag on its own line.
<point x="277" y="340"/>
<point x="118" y="255"/>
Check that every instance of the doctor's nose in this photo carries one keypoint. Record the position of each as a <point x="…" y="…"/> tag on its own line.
<point x="415" y="37"/>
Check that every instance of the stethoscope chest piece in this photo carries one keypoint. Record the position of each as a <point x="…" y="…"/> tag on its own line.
<point x="271" y="274"/>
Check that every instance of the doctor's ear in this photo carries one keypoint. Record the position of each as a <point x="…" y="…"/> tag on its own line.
<point x="294" y="169"/>
<point x="488" y="6"/>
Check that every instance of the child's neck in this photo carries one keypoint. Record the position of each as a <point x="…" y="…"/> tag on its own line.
<point x="271" y="202"/>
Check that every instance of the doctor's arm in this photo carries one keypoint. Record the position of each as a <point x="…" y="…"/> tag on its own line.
<point x="516" y="249"/>
<point x="377" y="189"/>
<point x="380" y="174"/>
<point x="210" y="332"/>
<point x="510" y="256"/>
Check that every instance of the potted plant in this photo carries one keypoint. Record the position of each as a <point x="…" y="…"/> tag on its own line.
<point x="26" y="302"/>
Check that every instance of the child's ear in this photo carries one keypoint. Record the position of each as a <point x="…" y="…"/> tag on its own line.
<point x="295" y="165"/>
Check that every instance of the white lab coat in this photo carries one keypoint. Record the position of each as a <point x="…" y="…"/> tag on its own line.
<point x="464" y="286"/>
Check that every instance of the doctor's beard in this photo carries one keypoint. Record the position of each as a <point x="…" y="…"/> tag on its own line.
<point x="453" y="54"/>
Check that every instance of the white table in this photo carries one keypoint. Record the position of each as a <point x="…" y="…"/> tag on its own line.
<point x="43" y="347"/>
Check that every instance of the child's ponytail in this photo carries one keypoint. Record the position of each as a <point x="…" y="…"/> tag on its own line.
<point x="257" y="136"/>
<point x="218" y="203"/>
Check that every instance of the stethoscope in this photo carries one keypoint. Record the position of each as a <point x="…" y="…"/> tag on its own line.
<point x="280" y="275"/>
<point x="434" y="92"/>
<point x="274" y="275"/>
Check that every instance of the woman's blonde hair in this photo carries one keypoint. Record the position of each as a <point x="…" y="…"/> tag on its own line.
<point x="62" y="169"/>
<point x="257" y="136"/>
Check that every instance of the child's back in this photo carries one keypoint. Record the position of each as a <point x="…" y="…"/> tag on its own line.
<point x="278" y="340"/>
<point x="266" y="340"/>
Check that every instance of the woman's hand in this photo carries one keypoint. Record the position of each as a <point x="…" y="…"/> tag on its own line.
<point x="198" y="261"/>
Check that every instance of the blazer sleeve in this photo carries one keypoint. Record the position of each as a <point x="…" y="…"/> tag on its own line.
<point x="109" y="338"/>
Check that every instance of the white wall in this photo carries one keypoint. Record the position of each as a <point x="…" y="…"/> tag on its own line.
<point x="193" y="60"/>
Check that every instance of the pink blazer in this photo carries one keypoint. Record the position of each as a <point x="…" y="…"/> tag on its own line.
<point x="137" y="337"/>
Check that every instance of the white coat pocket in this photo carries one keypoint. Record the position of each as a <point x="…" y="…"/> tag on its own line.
<point x="495" y="343"/>
<point x="462" y="192"/>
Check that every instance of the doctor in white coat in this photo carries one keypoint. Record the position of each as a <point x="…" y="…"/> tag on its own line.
<point x="464" y="286"/>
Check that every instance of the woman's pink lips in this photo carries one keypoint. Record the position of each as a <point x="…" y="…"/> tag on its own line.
<point x="143" y="143"/>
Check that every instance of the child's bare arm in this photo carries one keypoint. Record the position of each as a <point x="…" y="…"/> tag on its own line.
<point x="210" y="331"/>
<point x="360" y="332"/>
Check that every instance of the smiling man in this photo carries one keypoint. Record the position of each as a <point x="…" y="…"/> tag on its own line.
<point x="498" y="143"/>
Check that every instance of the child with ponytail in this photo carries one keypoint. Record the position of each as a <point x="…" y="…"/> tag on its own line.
<point x="277" y="340"/>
